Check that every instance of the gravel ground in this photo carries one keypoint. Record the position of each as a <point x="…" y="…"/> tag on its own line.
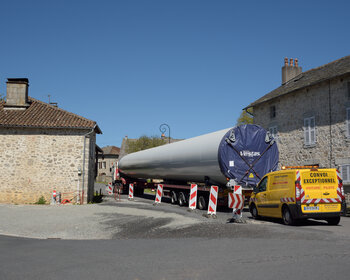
<point x="139" y="218"/>
<point x="92" y="221"/>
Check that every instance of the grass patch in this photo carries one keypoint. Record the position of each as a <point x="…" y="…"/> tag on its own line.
<point x="149" y="191"/>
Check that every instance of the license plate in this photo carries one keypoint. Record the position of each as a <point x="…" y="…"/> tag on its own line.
<point x="311" y="208"/>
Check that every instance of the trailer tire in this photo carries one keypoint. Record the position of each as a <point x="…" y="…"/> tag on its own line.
<point x="139" y="191"/>
<point x="182" y="199"/>
<point x="202" y="203"/>
<point x="173" y="197"/>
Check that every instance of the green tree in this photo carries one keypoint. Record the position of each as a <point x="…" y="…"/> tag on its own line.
<point x="2" y="97"/>
<point x="143" y="143"/>
<point x="246" y="117"/>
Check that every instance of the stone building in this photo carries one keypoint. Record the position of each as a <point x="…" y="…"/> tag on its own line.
<point x="43" y="148"/>
<point x="310" y="115"/>
<point x="106" y="161"/>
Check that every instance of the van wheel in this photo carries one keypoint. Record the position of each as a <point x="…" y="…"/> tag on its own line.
<point x="182" y="199"/>
<point x="254" y="211"/>
<point x="287" y="217"/>
<point x="173" y="197"/>
<point x="202" y="204"/>
<point x="333" y="221"/>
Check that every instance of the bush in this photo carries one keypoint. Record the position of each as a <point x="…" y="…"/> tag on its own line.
<point x="41" y="200"/>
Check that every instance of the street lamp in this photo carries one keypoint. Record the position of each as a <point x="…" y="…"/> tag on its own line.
<point x="163" y="129"/>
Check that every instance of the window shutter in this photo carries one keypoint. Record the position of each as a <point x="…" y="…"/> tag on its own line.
<point x="306" y="132"/>
<point x="345" y="172"/>
<point x="312" y="131"/>
<point x="348" y="121"/>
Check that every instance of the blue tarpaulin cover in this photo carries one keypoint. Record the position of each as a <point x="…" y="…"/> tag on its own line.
<point x="246" y="153"/>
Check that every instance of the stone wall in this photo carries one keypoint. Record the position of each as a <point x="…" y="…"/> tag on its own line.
<point x="332" y="146"/>
<point x="33" y="162"/>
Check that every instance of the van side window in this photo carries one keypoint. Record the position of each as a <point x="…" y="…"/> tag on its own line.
<point x="262" y="185"/>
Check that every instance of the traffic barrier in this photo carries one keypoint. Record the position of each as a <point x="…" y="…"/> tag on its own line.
<point x="69" y="197"/>
<point x="109" y="188"/>
<point x="159" y="194"/>
<point x="236" y="202"/>
<point x="193" y="197"/>
<point x="53" y="198"/>
<point x="58" y="198"/>
<point x="131" y="191"/>
<point x="213" y="200"/>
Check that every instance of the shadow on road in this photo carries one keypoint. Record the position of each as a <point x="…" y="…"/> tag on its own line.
<point x="299" y="223"/>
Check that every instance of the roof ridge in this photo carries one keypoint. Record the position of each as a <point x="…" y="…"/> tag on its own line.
<point x="59" y="109"/>
<point x="324" y="65"/>
<point x="308" y="78"/>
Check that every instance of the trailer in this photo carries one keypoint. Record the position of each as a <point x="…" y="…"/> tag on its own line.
<point x="241" y="155"/>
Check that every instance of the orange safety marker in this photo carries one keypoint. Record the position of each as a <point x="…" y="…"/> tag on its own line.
<point x="131" y="191"/>
<point x="213" y="199"/>
<point x="236" y="202"/>
<point x="53" y="198"/>
<point x="109" y="188"/>
<point x="193" y="197"/>
<point x="159" y="194"/>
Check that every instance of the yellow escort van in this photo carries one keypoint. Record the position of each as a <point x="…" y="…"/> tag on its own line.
<point x="296" y="193"/>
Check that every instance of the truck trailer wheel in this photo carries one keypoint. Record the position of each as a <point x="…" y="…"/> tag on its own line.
<point x="182" y="199"/>
<point x="333" y="221"/>
<point x="173" y="197"/>
<point x="139" y="191"/>
<point x="202" y="204"/>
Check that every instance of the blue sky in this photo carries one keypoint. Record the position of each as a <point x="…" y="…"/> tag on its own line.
<point x="133" y="65"/>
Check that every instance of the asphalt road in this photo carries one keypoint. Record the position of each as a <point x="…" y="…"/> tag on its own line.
<point x="143" y="241"/>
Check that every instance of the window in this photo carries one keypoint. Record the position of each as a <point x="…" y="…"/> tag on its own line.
<point x="272" y="111"/>
<point x="273" y="131"/>
<point x="100" y="165"/>
<point x="345" y="173"/>
<point x="262" y="185"/>
<point x="104" y="165"/>
<point x="348" y="122"/>
<point x="309" y="131"/>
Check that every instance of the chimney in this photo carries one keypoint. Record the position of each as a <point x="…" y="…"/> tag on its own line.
<point x="17" y="93"/>
<point x="291" y="70"/>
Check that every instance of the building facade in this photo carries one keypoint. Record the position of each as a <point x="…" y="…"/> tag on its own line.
<point x="106" y="161"/>
<point x="43" y="148"/>
<point x="309" y="114"/>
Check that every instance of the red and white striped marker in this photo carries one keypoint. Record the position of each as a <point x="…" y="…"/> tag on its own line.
<point x="235" y="201"/>
<point x="159" y="193"/>
<point x="53" y="198"/>
<point x="213" y="199"/>
<point x="109" y="188"/>
<point x="193" y="197"/>
<point x="131" y="191"/>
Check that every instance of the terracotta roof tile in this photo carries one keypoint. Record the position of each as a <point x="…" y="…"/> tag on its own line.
<point x="43" y="115"/>
<point x="111" y="150"/>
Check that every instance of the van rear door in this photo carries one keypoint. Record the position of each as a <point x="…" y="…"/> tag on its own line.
<point x="319" y="191"/>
